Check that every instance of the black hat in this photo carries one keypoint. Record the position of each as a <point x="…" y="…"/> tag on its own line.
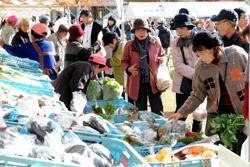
<point x="108" y="38"/>
<point x="184" y="10"/>
<point x="182" y="20"/>
<point x="63" y="28"/>
<point x="206" y="39"/>
<point x="140" y="23"/>
<point x="227" y="14"/>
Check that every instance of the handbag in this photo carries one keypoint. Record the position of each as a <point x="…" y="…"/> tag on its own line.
<point x="186" y="83"/>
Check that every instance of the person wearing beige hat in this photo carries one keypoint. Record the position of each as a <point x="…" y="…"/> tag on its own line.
<point x="141" y="61"/>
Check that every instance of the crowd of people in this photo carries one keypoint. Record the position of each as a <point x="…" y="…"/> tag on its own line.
<point x="209" y="56"/>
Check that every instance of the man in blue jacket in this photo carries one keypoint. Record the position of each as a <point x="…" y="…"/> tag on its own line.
<point x="39" y="50"/>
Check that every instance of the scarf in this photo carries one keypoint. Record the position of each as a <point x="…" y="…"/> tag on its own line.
<point x="141" y="46"/>
<point x="185" y="42"/>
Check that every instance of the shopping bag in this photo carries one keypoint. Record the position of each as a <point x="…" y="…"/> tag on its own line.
<point x="163" y="77"/>
<point x="78" y="102"/>
<point x="245" y="150"/>
<point x="200" y="113"/>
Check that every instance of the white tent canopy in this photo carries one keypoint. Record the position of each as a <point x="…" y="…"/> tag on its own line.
<point x="170" y="9"/>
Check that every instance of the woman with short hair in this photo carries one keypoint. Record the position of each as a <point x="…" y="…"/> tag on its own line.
<point x="219" y="77"/>
<point x="22" y="36"/>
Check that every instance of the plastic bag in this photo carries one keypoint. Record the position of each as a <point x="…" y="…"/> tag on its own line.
<point x="111" y="89"/>
<point x="200" y="113"/>
<point x="163" y="77"/>
<point x="94" y="90"/>
<point x="245" y="150"/>
<point x="78" y="102"/>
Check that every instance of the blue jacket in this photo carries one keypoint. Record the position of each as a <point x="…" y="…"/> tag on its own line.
<point x="28" y="51"/>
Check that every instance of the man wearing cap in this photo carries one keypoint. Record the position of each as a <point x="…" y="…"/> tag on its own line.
<point x="92" y="28"/>
<point x="226" y="22"/>
<point x="9" y="29"/>
<point x="59" y="40"/>
<point x="44" y="20"/>
<point x="184" y="60"/>
<point x="76" y="77"/>
<point x="141" y="62"/>
<point x="39" y="50"/>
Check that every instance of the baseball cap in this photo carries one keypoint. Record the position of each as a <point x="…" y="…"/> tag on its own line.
<point x="227" y="14"/>
<point x="99" y="59"/>
<point x="43" y="19"/>
<point x="40" y="29"/>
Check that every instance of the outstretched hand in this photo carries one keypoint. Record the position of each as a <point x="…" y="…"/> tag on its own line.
<point x="175" y="116"/>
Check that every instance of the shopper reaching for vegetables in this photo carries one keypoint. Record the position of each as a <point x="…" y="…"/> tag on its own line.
<point x="76" y="77"/>
<point x="219" y="77"/>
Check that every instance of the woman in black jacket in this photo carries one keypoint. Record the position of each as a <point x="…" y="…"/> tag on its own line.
<point x="111" y="27"/>
<point x="22" y="36"/>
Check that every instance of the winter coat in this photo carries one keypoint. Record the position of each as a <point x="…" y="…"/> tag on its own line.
<point x="73" y="78"/>
<point x="236" y="40"/>
<point x="20" y="38"/>
<point x="76" y="52"/>
<point x="206" y="82"/>
<point x="28" y="51"/>
<point x="131" y="57"/>
<point x="115" y="63"/>
<point x="8" y="33"/>
<point x="181" y="69"/>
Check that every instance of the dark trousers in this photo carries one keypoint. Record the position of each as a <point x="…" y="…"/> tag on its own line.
<point x="154" y="99"/>
<point x="180" y="100"/>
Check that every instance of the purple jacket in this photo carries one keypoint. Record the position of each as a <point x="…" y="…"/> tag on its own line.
<point x="130" y="57"/>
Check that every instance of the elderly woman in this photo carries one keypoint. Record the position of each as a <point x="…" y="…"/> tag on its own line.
<point x="22" y="36"/>
<point x="141" y="61"/>
<point x="219" y="77"/>
<point x="184" y="60"/>
<point x="74" y="50"/>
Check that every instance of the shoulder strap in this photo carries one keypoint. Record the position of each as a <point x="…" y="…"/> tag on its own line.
<point x="183" y="55"/>
<point x="38" y="50"/>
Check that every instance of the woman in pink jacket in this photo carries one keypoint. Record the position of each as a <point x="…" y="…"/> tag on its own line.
<point x="141" y="61"/>
<point x="184" y="60"/>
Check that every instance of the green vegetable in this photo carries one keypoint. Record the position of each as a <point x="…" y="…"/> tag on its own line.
<point x="109" y="108"/>
<point x="94" y="90"/>
<point x="98" y="110"/>
<point x="111" y="89"/>
<point x="227" y="125"/>
<point x="188" y="140"/>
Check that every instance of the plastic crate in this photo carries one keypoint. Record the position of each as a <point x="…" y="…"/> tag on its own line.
<point x="26" y="63"/>
<point x="190" y="163"/>
<point x="146" y="150"/>
<point x="45" y="89"/>
<point x="123" y="117"/>
<point x="118" y="103"/>
<point x="121" y="151"/>
<point x="19" y="161"/>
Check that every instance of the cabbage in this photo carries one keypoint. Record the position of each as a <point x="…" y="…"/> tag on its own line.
<point x="94" y="90"/>
<point x="111" y="89"/>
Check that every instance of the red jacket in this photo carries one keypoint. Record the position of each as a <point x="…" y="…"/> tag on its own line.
<point x="131" y="57"/>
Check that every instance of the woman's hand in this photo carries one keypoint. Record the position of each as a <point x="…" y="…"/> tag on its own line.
<point x="133" y="70"/>
<point x="175" y="116"/>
